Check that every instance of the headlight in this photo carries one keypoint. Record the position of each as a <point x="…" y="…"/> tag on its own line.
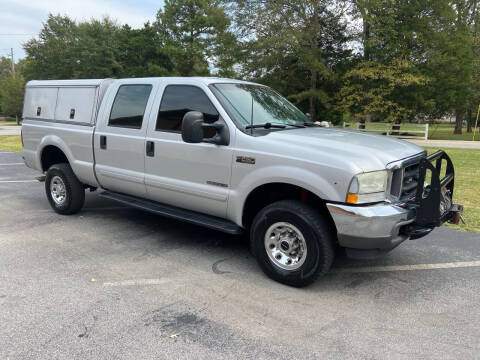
<point x="368" y="187"/>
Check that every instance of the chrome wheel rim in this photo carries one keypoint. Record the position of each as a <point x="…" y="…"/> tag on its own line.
<point x="58" y="190"/>
<point x="285" y="246"/>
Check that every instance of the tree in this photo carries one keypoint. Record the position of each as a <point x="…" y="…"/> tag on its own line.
<point x="373" y="88"/>
<point x="302" y="41"/>
<point x="11" y="91"/>
<point x="5" y="71"/>
<point x="464" y="62"/>
<point x="474" y="93"/>
<point x="5" y="67"/>
<point x="140" y="54"/>
<point x="192" y="33"/>
<point x="53" y="55"/>
<point x="429" y="35"/>
<point x="94" y="49"/>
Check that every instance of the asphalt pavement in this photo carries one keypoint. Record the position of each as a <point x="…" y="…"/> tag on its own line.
<point x="113" y="282"/>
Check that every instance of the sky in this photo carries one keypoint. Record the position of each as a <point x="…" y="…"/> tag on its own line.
<point x="20" y="20"/>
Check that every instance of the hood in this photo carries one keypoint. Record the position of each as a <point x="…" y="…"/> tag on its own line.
<point x="368" y="152"/>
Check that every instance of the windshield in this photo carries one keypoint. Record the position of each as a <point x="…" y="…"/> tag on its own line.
<point x="268" y="106"/>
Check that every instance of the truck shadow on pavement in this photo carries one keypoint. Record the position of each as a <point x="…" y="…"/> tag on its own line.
<point x="147" y="236"/>
<point x="150" y="235"/>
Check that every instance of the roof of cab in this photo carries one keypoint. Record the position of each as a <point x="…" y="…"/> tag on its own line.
<point x="98" y="82"/>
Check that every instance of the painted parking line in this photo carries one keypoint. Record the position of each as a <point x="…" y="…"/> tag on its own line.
<point x="450" y="265"/>
<point x="12" y="164"/>
<point x="138" y="282"/>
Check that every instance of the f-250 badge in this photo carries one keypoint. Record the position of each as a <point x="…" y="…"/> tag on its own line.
<point x="246" y="160"/>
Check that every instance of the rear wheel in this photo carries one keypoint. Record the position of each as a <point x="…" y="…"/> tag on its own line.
<point x="292" y="242"/>
<point x="64" y="191"/>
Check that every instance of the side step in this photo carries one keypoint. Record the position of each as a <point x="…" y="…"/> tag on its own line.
<point x="193" y="217"/>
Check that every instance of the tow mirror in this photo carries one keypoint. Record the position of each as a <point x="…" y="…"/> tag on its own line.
<point x="192" y="130"/>
<point x="193" y="126"/>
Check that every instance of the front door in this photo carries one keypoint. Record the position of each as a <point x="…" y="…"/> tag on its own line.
<point x="190" y="176"/>
<point x="119" y="140"/>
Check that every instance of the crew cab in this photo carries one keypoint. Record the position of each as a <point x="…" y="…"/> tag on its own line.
<point x="237" y="157"/>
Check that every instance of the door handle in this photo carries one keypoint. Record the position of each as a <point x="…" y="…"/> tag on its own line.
<point x="150" y="148"/>
<point x="103" y="142"/>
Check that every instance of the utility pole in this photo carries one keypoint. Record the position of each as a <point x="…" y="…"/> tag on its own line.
<point x="13" y="63"/>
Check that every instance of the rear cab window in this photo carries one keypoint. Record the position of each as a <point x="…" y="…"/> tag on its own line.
<point x="129" y="106"/>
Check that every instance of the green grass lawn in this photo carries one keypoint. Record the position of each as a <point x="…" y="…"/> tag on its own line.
<point x="467" y="185"/>
<point x="435" y="131"/>
<point x="445" y="132"/>
<point x="467" y="179"/>
<point x="9" y="121"/>
<point x="10" y="143"/>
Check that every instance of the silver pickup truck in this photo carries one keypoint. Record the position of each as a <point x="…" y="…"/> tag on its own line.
<point x="235" y="156"/>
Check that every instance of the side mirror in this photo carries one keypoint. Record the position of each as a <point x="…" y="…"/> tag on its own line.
<point x="193" y="126"/>
<point x="192" y="130"/>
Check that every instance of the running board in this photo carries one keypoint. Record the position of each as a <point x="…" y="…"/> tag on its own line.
<point x="193" y="217"/>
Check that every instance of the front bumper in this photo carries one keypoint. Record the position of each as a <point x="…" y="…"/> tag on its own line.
<point x="368" y="231"/>
<point x="370" y="227"/>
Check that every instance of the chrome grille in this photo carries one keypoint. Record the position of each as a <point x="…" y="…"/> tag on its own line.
<point x="404" y="181"/>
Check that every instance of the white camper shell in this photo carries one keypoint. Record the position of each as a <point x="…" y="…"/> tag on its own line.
<point x="65" y="101"/>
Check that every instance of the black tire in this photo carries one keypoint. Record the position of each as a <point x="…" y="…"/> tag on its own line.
<point x="316" y="233"/>
<point x="74" y="190"/>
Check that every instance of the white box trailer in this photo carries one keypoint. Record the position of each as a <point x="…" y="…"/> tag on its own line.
<point x="64" y="101"/>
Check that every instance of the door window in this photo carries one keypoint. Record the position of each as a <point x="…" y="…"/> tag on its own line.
<point x="177" y="100"/>
<point x="129" y="106"/>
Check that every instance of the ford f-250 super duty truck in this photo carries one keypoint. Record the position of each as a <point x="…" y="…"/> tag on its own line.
<point x="235" y="156"/>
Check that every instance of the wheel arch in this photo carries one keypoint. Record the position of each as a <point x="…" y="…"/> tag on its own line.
<point x="53" y="151"/>
<point x="268" y="193"/>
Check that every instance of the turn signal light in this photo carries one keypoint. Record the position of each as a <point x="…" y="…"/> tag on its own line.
<point x="352" y="198"/>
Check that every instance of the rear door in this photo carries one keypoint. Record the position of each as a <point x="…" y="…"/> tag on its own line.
<point x="119" y="140"/>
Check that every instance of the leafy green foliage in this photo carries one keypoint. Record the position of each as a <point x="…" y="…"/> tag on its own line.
<point x="380" y="60"/>
<point x="373" y="88"/>
<point x="140" y="54"/>
<point x="192" y="31"/>
<point x="11" y="91"/>
<point x="95" y="49"/>
<point x="295" y="46"/>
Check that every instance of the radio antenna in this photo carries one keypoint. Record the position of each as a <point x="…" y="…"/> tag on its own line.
<point x="251" y="118"/>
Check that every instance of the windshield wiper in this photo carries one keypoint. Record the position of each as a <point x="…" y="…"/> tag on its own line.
<point x="265" y="126"/>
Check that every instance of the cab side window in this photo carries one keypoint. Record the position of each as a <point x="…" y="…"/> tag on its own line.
<point x="129" y="106"/>
<point x="177" y="100"/>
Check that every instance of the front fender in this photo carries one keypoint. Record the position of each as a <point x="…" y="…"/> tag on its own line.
<point x="301" y="177"/>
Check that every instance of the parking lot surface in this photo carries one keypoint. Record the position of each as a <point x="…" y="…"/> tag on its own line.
<point x="114" y="282"/>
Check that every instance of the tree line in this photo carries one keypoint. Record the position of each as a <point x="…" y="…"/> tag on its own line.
<point x="340" y="60"/>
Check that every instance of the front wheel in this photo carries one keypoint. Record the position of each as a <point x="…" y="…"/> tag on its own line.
<point x="65" y="192"/>
<point x="292" y="242"/>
